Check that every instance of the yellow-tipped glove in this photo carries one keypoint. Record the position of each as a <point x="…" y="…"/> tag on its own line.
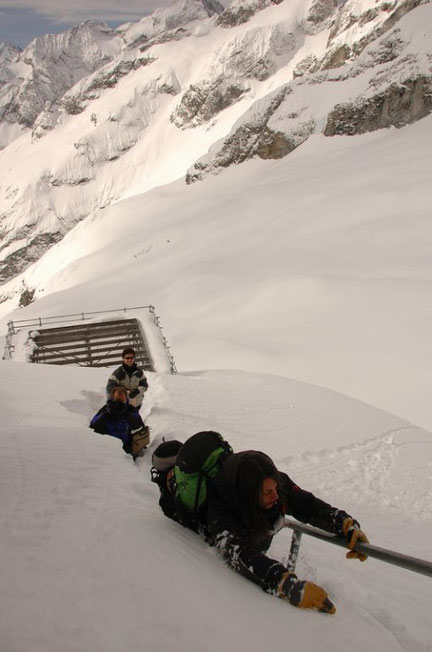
<point x="353" y="534"/>
<point x="304" y="595"/>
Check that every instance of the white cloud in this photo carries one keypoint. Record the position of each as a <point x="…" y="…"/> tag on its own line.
<point x="83" y="9"/>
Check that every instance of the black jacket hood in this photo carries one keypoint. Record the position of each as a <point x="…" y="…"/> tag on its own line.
<point x="227" y="480"/>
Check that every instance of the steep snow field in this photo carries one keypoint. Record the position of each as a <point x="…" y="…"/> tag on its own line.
<point x="315" y="267"/>
<point x="90" y="563"/>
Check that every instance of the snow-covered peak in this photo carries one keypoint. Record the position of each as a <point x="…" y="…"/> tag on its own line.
<point x="8" y="52"/>
<point x="48" y="67"/>
<point x="90" y="42"/>
<point x="168" y="23"/>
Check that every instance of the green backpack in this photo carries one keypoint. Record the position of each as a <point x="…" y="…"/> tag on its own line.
<point x="197" y="463"/>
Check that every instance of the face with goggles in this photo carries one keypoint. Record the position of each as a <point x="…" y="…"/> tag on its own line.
<point x="129" y="359"/>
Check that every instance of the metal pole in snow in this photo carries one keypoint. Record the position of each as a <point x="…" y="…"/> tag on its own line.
<point x="294" y="550"/>
<point x="414" y="564"/>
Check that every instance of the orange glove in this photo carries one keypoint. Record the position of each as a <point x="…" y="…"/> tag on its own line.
<point x="304" y="595"/>
<point x="353" y="534"/>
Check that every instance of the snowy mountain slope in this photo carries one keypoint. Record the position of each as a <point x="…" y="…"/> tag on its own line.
<point x="48" y="67"/>
<point x="388" y="84"/>
<point x="316" y="266"/>
<point x="90" y="562"/>
<point x="40" y="77"/>
<point x="177" y="82"/>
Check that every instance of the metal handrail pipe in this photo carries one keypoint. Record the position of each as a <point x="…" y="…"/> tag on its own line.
<point x="76" y="314"/>
<point x="414" y="564"/>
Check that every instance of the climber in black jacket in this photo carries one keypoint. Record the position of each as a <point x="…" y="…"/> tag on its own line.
<point x="245" y="501"/>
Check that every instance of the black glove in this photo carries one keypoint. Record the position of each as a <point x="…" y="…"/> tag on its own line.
<point x="304" y="595"/>
<point x="133" y="393"/>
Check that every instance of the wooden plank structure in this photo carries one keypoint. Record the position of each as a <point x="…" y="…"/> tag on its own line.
<point x="94" y="344"/>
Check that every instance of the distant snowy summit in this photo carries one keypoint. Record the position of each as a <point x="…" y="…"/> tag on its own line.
<point x="49" y="66"/>
<point x="93" y="114"/>
<point x="8" y="52"/>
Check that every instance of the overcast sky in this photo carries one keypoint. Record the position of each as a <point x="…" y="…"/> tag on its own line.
<point x="22" y="20"/>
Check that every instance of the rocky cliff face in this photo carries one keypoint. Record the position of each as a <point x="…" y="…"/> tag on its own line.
<point x="49" y="67"/>
<point x="240" y="11"/>
<point x="397" y="105"/>
<point x="381" y="81"/>
<point x="254" y="54"/>
<point x="192" y="89"/>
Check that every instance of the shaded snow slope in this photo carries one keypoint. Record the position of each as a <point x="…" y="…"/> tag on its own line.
<point x="90" y="563"/>
<point x="316" y="267"/>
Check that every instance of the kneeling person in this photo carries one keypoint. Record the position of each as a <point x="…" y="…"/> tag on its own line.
<point x="119" y="419"/>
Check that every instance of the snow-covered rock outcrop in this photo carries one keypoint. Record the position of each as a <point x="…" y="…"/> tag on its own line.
<point x="240" y="11"/>
<point x="388" y="84"/>
<point x="254" y="54"/>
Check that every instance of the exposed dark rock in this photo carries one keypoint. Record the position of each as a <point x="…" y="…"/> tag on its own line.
<point x="307" y="65"/>
<point x="236" y="15"/>
<point x="321" y="10"/>
<point x="398" y="13"/>
<point x="336" y="58"/>
<point x="46" y="121"/>
<point x="388" y="50"/>
<point x="71" y="105"/>
<point x="166" y="37"/>
<point x="368" y="16"/>
<point x="213" y="7"/>
<point x="10" y="108"/>
<point x="22" y="258"/>
<point x="397" y="106"/>
<point x="140" y="42"/>
<point x="345" y="20"/>
<point x="26" y="297"/>
<point x="275" y="144"/>
<point x="244" y="142"/>
<point x="201" y="103"/>
<point x="169" y="89"/>
<point x="230" y="18"/>
<point x="72" y="182"/>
